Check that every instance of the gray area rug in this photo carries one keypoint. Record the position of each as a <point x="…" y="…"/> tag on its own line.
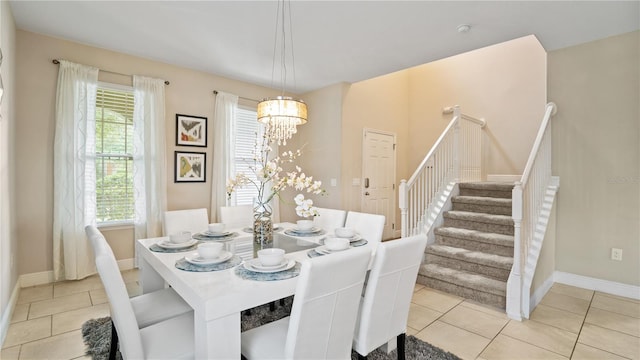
<point x="97" y="337"/>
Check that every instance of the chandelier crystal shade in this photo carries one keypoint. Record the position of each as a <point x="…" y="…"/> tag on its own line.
<point x="282" y="114"/>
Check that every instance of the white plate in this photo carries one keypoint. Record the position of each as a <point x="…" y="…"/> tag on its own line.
<point x="354" y="238"/>
<point x="307" y="231"/>
<point x="216" y="234"/>
<point x="255" y="263"/>
<point x="195" y="258"/>
<point x="247" y="265"/>
<point x="167" y="244"/>
<point x="324" y="251"/>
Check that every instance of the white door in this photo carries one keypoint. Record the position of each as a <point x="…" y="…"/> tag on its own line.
<point x="378" y="175"/>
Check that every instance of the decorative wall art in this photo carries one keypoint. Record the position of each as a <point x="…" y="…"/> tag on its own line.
<point x="191" y="130"/>
<point x="190" y="166"/>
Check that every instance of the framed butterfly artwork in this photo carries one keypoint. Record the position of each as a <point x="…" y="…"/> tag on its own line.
<point x="191" y="130"/>
<point x="190" y="166"/>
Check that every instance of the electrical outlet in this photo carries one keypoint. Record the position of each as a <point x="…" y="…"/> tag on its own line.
<point x="616" y="254"/>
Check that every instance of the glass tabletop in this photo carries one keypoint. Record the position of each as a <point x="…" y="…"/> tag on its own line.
<point x="291" y="244"/>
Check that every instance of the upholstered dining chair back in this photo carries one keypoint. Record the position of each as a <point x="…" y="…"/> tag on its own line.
<point x="122" y="313"/>
<point x="329" y="219"/>
<point x="239" y="216"/>
<point x="194" y="220"/>
<point x="369" y="226"/>
<point x="323" y="315"/>
<point x="387" y="296"/>
<point x="157" y="325"/>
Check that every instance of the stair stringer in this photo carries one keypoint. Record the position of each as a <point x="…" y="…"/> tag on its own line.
<point x="434" y="215"/>
<point x="536" y="244"/>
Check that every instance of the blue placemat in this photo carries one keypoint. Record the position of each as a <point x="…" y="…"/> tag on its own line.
<point x="354" y="244"/>
<point x="160" y="249"/>
<point x="280" y="275"/>
<point x="312" y="253"/>
<point x="202" y="237"/>
<point x="299" y="234"/>
<point x="183" y="264"/>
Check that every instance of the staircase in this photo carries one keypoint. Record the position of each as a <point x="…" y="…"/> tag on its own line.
<point x="473" y="251"/>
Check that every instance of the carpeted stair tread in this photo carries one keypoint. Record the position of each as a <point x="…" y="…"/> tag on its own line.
<point x="482" y="200"/>
<point x="476" y="257"/>
<point x="464" y="279"/>
<point x="480" y="236"/>
<point x="487" y="185"/>
<point x="479" y="217"/>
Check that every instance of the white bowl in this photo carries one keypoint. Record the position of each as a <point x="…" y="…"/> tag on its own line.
<point x="305" y="224"/>
<point x="271" y="257"/>
<point x="179" y="238"/>
<point x="216" y="227"/>
<point x="344" y="232"/>
<point x="210" y="250"/>
<point x="336" y="244"/>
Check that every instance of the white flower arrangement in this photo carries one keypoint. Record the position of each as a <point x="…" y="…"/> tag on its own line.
<point x="271" y="179"/>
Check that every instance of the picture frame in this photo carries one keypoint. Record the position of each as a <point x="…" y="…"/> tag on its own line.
<point x="190" y="167"/>
<point x="191" y="130"/>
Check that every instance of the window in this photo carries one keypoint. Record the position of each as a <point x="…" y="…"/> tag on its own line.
<point x="114" y="154"/>
<point x="247" y="126"/>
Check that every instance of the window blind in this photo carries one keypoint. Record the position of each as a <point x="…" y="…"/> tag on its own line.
<point x="114" y="155"/>
<point x="248" y="130"/>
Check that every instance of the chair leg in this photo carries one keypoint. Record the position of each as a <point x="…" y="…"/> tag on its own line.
<point x="361" y="357"/>
<point x="114" y="342"/>
<point x="272" y="306"/>
<point x="281" y="302"/>
<point x="400" y="340"/>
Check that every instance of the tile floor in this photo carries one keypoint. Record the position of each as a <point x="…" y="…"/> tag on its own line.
<point x="569" y="323"/>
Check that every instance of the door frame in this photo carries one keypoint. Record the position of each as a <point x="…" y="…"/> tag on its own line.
<point x="366" y="130"/>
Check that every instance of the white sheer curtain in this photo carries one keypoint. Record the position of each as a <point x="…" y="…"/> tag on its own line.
<point x="149" y="156"/>
<point x="74" y="182"/>
<point x="223" y="149"/>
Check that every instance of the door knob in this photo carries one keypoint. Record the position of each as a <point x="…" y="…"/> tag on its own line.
<point x="367" y="193"/>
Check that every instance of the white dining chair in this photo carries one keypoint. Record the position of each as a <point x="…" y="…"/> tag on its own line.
<point x="171" y="338"/>
<point x="329" y="219"/>
<point x="236" y="217"/>
<point x="323" y="315"/>
<point x="387" y="296"/>
<point x="193" y="220"/>
<point x="369" y="226"/>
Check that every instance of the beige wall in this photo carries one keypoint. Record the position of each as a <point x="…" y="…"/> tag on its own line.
<point x="8" y="238"/>
<point x="381" y="103"/>
<point x="190" y="92"/>
<point x="320" y="141"/>
<point x="503" y="83"/>
<point x="596" y="153"/>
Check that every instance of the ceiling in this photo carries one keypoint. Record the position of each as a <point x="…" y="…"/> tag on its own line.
<point x="334" y="41"/>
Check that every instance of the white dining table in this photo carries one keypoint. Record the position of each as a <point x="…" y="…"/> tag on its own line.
<point x="218" y="297"/>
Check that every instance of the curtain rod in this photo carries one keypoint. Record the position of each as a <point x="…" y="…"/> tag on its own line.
<point x="55" y="61"/>
<point x="215" y="92"/>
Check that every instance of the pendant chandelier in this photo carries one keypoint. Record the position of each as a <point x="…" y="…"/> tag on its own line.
<point x="282" y="114"/>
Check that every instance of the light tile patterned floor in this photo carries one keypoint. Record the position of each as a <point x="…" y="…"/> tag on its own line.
<point x="569" y="323"/>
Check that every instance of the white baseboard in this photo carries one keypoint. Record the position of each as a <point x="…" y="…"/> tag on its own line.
<point x="5" y="319"/>
<point x="540" y="292"/>
<point x="503" y="178"/>
<point x="46" y="277"/>
<point x="605" y="286"/>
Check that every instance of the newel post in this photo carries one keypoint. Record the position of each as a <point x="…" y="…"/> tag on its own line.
<point x="456" y="144"/>
<point x="514" y="284"/>
<point x="402" y="201"/>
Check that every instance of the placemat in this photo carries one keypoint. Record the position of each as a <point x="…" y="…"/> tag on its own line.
<point x="183" y="264"/>
<point x="160" y="249"/>
<point x="201" y="237"/>
<point x="354" y="244"/>
<point x="295" y="233"/>
<point x="280" y="275"/>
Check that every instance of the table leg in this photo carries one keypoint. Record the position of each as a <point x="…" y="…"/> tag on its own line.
<point x="218" y="338"/>
<point x="149" y="279"/>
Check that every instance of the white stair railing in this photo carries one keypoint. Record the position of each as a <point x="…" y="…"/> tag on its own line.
<point x="528" y="197"/>
<point x="455" y="157"/>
